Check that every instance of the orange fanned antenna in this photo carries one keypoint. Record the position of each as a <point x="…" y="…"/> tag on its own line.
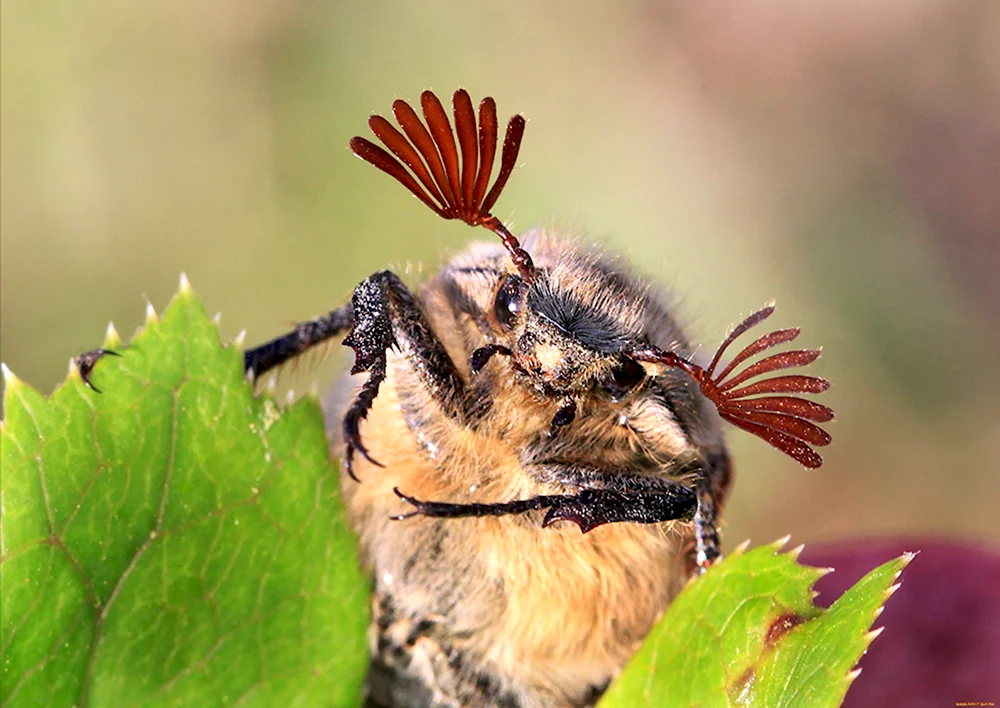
<point x="786" y="422"/>
<point x="450" y="178"/>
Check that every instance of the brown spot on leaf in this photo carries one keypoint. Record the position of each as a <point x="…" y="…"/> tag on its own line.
<point x="782" y="626"/>
<point x="740" y="690"/>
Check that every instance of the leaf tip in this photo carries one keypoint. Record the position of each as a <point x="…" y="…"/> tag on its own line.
<point x="852" y="676"/>
<point x="10" y="379"/>
<point x="741" y="549"/>
<point x="796" y="552"/>
<point x="184" y="286"/>
<point x="781" y="543"/>
<point x="891" y="590"/>
<point x="290" y="397"/>
<point x="873" y="635"/>
<point x="240" y="339"/>
<point x="217" y="319"/>
<point x="901" y="562"/>
<point x="151" y="316"/>
<point x="112" y="340"/>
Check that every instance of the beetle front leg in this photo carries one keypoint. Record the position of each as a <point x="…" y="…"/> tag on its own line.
<point x="305" y="336"/>
<point x="86" y="362"/>
<point x="386" y="315"/>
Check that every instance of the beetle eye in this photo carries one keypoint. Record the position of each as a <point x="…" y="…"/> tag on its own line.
<point x="508" y="301"/>
<point x="624" y="377"/>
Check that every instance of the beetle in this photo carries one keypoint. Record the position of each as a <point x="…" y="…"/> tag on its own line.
<point x="532" y="459"/>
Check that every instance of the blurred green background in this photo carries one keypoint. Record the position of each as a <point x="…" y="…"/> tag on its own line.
<point x="842" y="158"/>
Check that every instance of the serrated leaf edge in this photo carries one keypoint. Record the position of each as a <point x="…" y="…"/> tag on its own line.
<point x="112" y="340"/>
<point x="871" y="635"/>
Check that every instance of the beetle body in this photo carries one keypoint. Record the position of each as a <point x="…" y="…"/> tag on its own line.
<point x="532" y="461"/>
<point x="497" y="610"/>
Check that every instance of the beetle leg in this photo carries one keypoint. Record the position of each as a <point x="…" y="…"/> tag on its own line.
<point x="305" y="336"/>
<point x="86" y="362"/>
<point x="382" y="314"/>
<point x="706" y="534"/>
<point x="387" y="315"/>
<point x="628" y="497"/>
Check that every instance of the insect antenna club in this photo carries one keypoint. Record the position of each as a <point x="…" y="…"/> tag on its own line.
<point x="533" y="462"/>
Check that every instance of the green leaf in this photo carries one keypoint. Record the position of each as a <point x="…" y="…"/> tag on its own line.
<point x="174" y="540"/>
<point x="747" y="633"/>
